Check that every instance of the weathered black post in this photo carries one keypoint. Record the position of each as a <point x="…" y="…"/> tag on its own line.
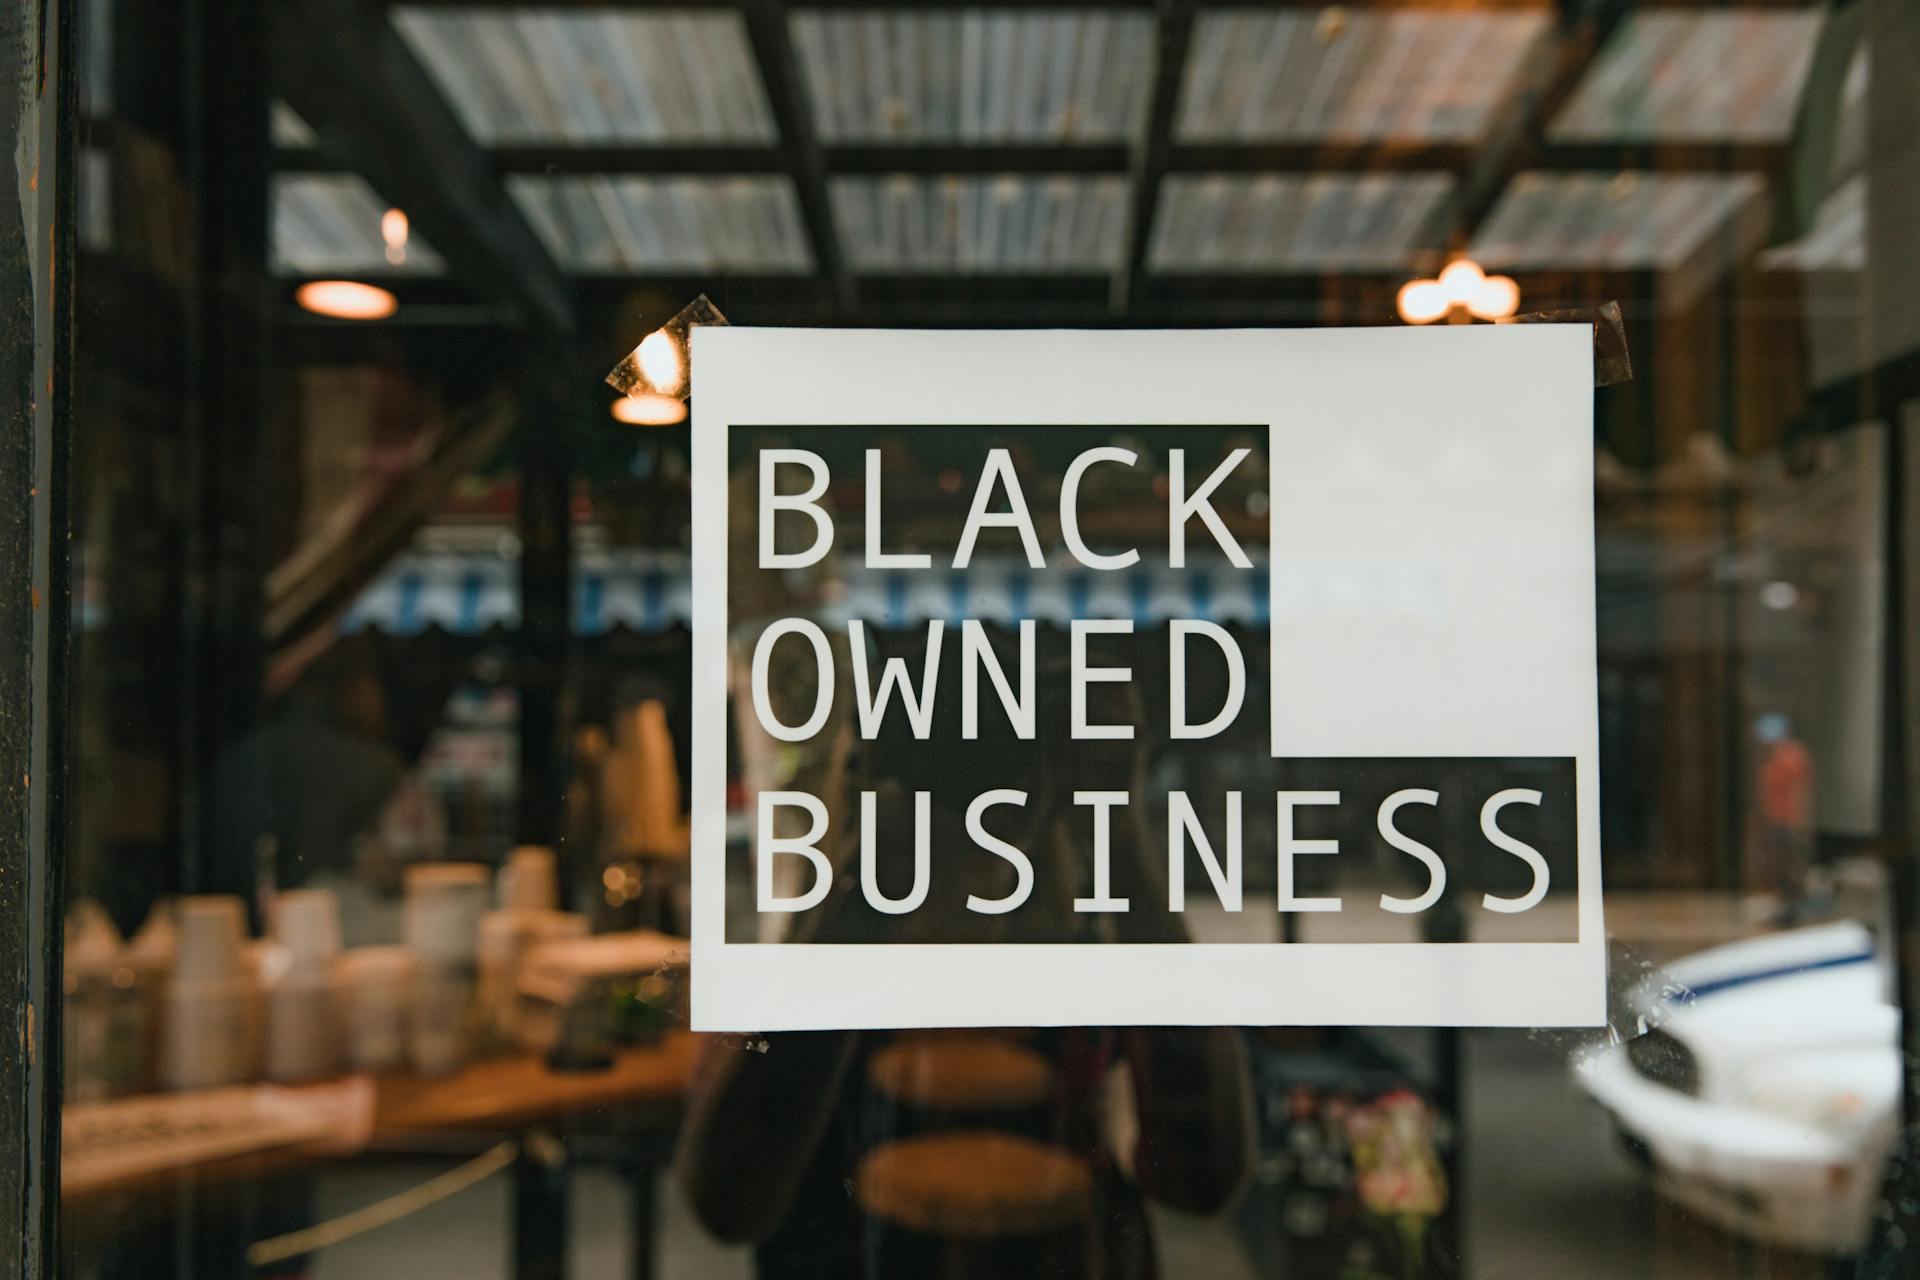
<point x="37" y="114"/>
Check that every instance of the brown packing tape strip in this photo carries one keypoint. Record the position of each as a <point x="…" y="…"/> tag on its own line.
<point x="1611" y="363"/>
<point x="660" y="368"/>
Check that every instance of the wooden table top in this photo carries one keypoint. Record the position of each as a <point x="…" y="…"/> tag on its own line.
<point x="508" y="1093"/>
<point x="641" y="1092"/>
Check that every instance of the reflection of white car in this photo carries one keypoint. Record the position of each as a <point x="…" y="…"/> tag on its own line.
<point x="1767" y="1094"/>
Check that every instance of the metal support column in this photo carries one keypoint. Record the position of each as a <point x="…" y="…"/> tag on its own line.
<point x="543" y="445"/>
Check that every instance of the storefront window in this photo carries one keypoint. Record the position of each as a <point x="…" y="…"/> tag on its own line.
<point x="379" y="845"/>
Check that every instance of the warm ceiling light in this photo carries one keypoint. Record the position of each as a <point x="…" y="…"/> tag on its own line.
<point x="346" y="300"/>
<point x="1461" y="280"/>
<point x="1422" y="301"/>
<point x="645" y="410"/>
<point x="1462" y="286"/>
<point x="394" y="230"/>
<point x="1497" y="298"/>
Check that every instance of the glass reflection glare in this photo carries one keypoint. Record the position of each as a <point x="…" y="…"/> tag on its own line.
<point x="660" y="362"/>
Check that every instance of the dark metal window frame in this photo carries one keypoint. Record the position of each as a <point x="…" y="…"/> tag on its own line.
<point x="37" y="119"/>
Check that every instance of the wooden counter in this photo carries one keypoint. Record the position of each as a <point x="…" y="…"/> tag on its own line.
<point x="641" y="1093"/>
<point x="647" y="1084"/>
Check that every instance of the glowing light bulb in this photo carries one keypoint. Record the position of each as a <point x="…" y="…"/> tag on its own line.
<point x="1422" y="301"/>
<point x="1461" y="281"/>
<point x="394" y="230"/>
<point x="1497" y="298"/>
<point x="659" y="360"/>
<point x="646" y="410"/>
<point x="346" y="300"/>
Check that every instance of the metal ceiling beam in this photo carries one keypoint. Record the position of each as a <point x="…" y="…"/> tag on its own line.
<point x="768" y="35"/>
<point x="444" y="337"/>
<point x="344" y="69"/>
<point x="1153" y="148"/>
<point x="1668" y="157"/>
<point x="592" y="6"/>
<point x="780" y="298"/>
<point x="1110" y="6"/>
<point x="1317" y="157"/>
<point x="724" y="161"/>
<point x="942" y="159"/>
<point x="938" y="158"/>
<point x="1532" y="98"/>
<point x="866" y="159"/>
<point x="716" y="160"/>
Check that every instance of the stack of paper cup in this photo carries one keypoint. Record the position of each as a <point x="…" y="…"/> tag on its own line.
<point x="445" y="901"/>
<point x="441" y="922"/>
<point x="374" y="985"/>
<point x="149" y="959"/>
<point x="207" y="1022"/>
<point x="302" y="1040"/>
<point x="529" y="881"/>
<point x="93" y="957"/>
<point x="505" y="938"/>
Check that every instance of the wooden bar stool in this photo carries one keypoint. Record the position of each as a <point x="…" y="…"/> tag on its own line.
<point x="975" y="1203"/>
<point x="960" y="1074"/>
<point x="930" y="1083"/>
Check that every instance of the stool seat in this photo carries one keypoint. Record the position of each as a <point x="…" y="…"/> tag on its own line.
<point x="975" y="1186"/>
<point x="953" y="1073"/>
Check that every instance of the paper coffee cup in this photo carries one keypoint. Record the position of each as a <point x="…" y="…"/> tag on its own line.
<point x="307" y="923"/>
<point x="211" y="937"/>
<point x="530" y="880"/>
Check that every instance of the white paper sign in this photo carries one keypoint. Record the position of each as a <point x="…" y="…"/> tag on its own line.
<point x="1095" y="678"/>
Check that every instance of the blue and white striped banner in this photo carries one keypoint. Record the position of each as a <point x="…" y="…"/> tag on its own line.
<point x="649" y="591"/>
